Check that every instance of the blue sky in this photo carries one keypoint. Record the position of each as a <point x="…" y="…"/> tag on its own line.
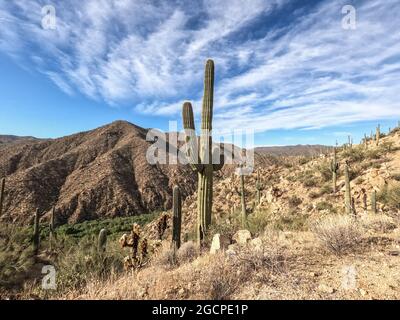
<point x="285" y="68"/>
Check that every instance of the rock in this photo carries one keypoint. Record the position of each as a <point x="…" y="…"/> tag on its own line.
<point x="363" y="292"/>
<point x="181" y="291"/>
<point x="218" y="243"/>
<point x="325" y="289"/>
<point x="242" y="236"/>
<point x="256" y="244"/>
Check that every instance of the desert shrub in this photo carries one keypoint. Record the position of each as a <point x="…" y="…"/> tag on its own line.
<point x="387" y="146"/>
<point x="16" y="255"/>
<point x="310" y="182"/>
<point x="223" y="228"/>
<point x="378" y="223"/>
<point x="354" y="172"/>
<point x="390" y="195"/>
<point x="325" y="171"/>
<point x="374" y="153"/>
<point x="187" y="252"/>
<point x="291" y="221"/>
<point x="338" y="234"/>
<point x="257" y="222"/>
<point x="396" y="176"/>
<point x="314" y="195"/>
<point x="304" y="160"/>
<point x="294" y="201"/>
<point x="359" y="180"/>
<point x="82" y="263"/>
<point x="324" y="205"/>
<point x="376" y="165"/>
<point x="354" y="154"/>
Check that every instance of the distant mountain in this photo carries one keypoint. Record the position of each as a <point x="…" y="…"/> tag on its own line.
<point x="297" y="150"/>
<point x="7" y="139"/>
<point x="88" y="175"/>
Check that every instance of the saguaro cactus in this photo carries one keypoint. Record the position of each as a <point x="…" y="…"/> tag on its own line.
<point x="334" y="169"/>
<point x="373" y="202"/>
<point x="52" y="226"/>
<point x="258" y="187"/>
<point x="102" y="241"/>
<point x="177" y="220"/>
<point x="36" y="233"/>
<point x="378" y="134"/>
<point x="2" y="187"/>
<point x="243" y="200"/>
<point x="201" y="158"/>
<point x="350" y="142"/>
<point x="347" y="196"/>
<point x="365" y="141"/>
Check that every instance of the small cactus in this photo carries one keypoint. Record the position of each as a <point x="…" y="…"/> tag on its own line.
<point x="258" y="188"/>
<point x="36" y="233"/>
<point x="52" y="226"/>
<point x="334" y="170"/>
<point x="378" y="134"/>
<point x="102" y="241"/>
<point x="364" y="194"/>
<point x="373" y="202"/>
<point x="177" y="220"/>
<point x="2" y="187"/>
<point x="347" y="199"/>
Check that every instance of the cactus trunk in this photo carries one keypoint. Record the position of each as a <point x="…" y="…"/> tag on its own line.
<point x="347" y="199"/>
<point x="52" y="227"/>
<point x="258" y="188"/>
<point x="378" y="134"/>
<point x="177" y="219"/>
<point x="201" y="160"/>
<point x="102" y="241"/>
<point x="36" y="233"/>
<point x="2" y="187"/>
<point x="243" y="201"/>
<point x="334" y="169"/>
<point x="373" y="202"/>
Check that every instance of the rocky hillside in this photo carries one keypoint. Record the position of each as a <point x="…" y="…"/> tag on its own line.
<point x="99" y="173"/>
<point x="297" y="150"/>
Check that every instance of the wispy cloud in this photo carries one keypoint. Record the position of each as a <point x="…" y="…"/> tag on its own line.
<point x="306" y="73"/>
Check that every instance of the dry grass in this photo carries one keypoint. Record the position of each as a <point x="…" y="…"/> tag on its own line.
<point x="339" y="234"/>
<point x="378" y="223"/>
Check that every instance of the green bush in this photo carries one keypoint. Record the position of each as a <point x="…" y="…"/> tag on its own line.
<point x="324" y="205"/>
<point x="294" y="201"/>
<point x="390" y="195"/>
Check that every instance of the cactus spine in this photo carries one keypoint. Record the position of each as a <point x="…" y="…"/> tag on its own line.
<point x="177" y="220"/>
<point x="373" y="202"/>
<point x="347" y="199"/>
<point x="36" y="233"/>
<point x="102" y="241"/>
<point x="201" y="158"/>
<point x="334" y="169"/>
<point x="2" y="187"/>
<point x="378" y="134"/>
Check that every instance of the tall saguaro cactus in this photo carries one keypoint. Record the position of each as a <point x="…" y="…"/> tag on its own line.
<point x="201" y="158"/>
<point x="177" y="219"/>
<point x="243" y="200"/>
<point x="347" y="196"/>
<point x="2" y="187"/>
<point x="334" y="169"/>
<point x="36" y="233"/>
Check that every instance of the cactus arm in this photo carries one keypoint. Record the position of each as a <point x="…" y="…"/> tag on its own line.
<point x="218" y="166"/>
<point x="102" y="241"/>
<point x="192" y="152"/>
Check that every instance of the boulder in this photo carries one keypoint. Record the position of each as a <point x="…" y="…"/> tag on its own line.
<point x="242" y="237"/>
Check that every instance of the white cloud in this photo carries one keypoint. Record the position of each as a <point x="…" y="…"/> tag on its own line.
<point x="309" y="73"/>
